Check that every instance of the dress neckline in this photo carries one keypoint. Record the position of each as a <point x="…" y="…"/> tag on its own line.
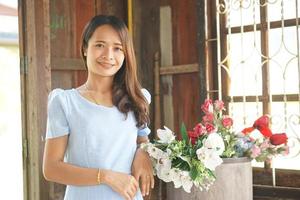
<point x="82" y="98"/>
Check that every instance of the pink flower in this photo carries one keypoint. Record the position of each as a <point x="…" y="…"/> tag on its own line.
<point x="219" y="105"/>
<point x="255" y="151"/>
<point x="227" y="121"/>
<point x="207" y="107"/>
<point x="265" y="144"/>
<point x="286" y="151"/>
<point x="209" y="127"/>
<point x="199" y="129"/>
<point x="208" y="117"/>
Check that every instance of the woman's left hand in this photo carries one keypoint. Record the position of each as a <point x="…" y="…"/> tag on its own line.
<point x="142" y="170"/>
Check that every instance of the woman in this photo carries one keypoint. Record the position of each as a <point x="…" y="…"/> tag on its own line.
<point x="93" y="131"/>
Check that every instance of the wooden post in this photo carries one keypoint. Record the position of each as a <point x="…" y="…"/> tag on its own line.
<point x="35" y="86"/>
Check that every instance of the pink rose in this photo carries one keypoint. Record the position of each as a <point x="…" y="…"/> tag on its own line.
<point x="208" y="117"/>
<point x="219" y="105"/>
<point x="227" y="121"/>
<point x="207" y="107"/>
<point x="209" y="127"/>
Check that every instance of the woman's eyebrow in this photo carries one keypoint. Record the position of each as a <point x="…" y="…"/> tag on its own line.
<point x="115" y="43"/>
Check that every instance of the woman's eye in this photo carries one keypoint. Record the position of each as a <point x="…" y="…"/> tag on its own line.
<point x="118" y="49"/>
<point x="99" y="45"/>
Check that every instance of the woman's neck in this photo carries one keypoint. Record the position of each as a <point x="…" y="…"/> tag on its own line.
<point x="99" y="84"/>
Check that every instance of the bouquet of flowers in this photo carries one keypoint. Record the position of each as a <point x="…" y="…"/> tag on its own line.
<point x="193" y="159"/>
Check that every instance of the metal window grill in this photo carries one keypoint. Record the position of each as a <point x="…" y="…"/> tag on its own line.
<point x="259" y="67"/>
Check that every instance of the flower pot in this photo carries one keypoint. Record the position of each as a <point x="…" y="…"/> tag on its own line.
<point x="233" y="182"/>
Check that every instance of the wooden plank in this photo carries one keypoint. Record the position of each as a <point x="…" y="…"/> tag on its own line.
<point x="22" y="51"/>
<point x="117" y="8"/>
<point x="166" y="60"/>
<point x="145" y="26"/>
<point x="211" y="50"/>
<point x="202" y="48"/>
<point x="284" y="177"/>
<point x="179" y="69"/>
<point x="186" y="102"/>
<point x="35" y="42"/>
<point x="262" y="192"/>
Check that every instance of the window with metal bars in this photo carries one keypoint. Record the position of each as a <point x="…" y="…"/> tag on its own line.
<point x="253" y="65"/>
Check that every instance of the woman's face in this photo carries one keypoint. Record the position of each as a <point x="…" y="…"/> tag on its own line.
<point x="104" y="54"/>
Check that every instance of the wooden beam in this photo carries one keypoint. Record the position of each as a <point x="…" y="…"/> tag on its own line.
<point x="274" y="24"/>
<point x="179" y="69"/>
<point x="275" y="98"/>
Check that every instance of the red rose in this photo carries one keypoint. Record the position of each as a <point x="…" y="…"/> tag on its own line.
<point x="219" y="105"/>
<point x="278" y="139"/>
<point x="207" y="107"/>
<point x="262" y="122"/>
<point x="209" y="127"/>
<point x="199" y="129"/>
<point x="208" y="117"/>
<point x="227" y="122"/>
<point x="193" y="136"/>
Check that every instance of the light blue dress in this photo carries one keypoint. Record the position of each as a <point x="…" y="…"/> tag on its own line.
<point x="99" y="137"/>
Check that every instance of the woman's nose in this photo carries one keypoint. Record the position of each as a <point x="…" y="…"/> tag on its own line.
<point x="108" y="54"/>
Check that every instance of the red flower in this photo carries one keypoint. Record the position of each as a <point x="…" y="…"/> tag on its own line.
<point x="208" y="117"/>
<point x="207" y="106"/>
<point x="278" y="139"/>
<point x="227" y="121"/>
<point x="199" y="129"/>
<point x="193" y="136"/>
<point x="209" y="127"/>
<point x="261" y="124"/>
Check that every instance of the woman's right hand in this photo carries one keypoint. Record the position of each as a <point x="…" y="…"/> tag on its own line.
<point x="124" y="184"/>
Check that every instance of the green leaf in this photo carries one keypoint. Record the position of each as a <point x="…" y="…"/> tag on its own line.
<point x="194" y="173"/>
<point x="184" y="134"/>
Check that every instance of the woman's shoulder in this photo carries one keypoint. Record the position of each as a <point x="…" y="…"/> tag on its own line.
<point x="59" y="93"/>
<point x="146" y="94"/>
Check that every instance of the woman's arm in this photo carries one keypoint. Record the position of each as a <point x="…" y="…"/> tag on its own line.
<point x="142" y="168"/>
<point x="56" y="170"/>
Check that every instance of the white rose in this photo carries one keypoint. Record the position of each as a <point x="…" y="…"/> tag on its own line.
<point x="165" y="135"/>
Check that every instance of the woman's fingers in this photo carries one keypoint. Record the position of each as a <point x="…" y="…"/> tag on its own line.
<point x="152" y="181"/>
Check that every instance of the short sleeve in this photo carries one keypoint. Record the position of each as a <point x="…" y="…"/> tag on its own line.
<point x="57" y="123"/>
<point x="145" y="130"/>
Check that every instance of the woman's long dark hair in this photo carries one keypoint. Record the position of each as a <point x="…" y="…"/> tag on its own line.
<point x="127" y="94"/>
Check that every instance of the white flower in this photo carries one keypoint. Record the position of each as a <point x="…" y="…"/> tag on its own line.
<point x="165" y="135"/>
<point x="209" y="157"/>
<point x="175" y="174"/>
<point x="186" y="181"/>
<point x="215" y="141"/>
<point x="155" y="152"/>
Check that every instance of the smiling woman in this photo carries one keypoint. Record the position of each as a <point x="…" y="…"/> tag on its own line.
<point x="93" y="131"/>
